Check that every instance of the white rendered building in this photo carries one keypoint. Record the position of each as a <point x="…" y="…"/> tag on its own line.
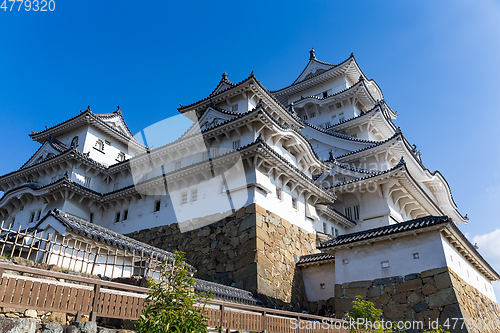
<point x="322" y="153"/>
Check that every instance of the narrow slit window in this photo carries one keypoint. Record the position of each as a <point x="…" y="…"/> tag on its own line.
<point x="125" y="214"/>
<point x="117" y="217"/>
<point x="278" y="193"/>
<point x="236" y="144"/>
<point x="294" y="202"/>
<point x="157" y="205"/>
<point x="416" y="255"/>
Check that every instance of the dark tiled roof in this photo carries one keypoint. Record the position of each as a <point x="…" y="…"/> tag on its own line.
<point x="310" y="258"/>
<point x="386" y="230"/>
<point x="338" y="135"/>
<point x="93" y="231"/>
<point x="379" y="143"/>
<point x="225" y="292"/>
<point x="343" y="215"/>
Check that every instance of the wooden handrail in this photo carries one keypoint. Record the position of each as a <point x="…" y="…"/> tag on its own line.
<point x="71" y="277"/>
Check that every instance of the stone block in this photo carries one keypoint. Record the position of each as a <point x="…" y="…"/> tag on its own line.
<point x="246" y="223"/>
<point x="17" y="325"/>
<point x="30" y="313"/>
<point x="56" y="317"/>
<point x="432" y="272"/>
<point x="245" y="272"/>
<point x="250" y="209"/>
<point x="442" y="298"/>
<point x="393" y="311"/>
<point x="343" y="305"/>
<point x="260" y="210"/>
<point x="422" y="306"/>
<point x="374" y="291"/>
<point x="360" y="284"/>
<point x="86" y="326"/>
<point x="339" y="292"/>
<point x="416" y="297"/>
<point x="353" y="292"/>
<point x="72" y="329"/>
<point x="449" y="312"/>
<point x="399" y="297"/>
<point x="384" y="299"/>
<point x="411" y="276"/>
<point x="389" y="289"/>
<point x="409" y="285"/>
<point x="443" y="281"/>
<point x="52" y="328"/>
<point x="390" y="280"/>
<point x="430" y="315"/>
<point x="428" y="289"/>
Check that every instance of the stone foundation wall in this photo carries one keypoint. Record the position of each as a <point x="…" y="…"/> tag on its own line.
<point x="253" y="249"/>
<point x="436" y="294"/>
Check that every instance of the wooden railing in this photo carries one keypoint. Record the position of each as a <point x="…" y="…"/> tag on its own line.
<point x="39" y="289"/>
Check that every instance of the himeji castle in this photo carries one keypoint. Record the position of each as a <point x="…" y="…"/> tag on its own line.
<point x="306" y="196"/>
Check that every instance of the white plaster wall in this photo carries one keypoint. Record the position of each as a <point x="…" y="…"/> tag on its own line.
<point x="466" y="271"/>
<point x="313" y="276"/>
<point x="364" y="262"/>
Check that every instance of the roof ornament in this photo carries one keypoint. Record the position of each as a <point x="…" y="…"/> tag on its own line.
<point x="402" y="161"/>
<point x="361" y="78"/>
<point x="46" y="127"/>
<point x="476" y="246"/>
<point x="398" y="130"/>
<point x="312" y="55"/>
<point x="331" y="158"/>
<point x="259" y="138"/>
<point x="259" y="103"/>
<point x="417" y="153"/>
<point x="466" y="217"/>
<point x="292" y="109"/>
<point x="118" y="108"/>
<point x="224" y="76"/>
<point x="88" y="108"/>
<point x="66" y="176"/>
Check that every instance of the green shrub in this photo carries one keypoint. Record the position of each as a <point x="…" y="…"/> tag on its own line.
<point x="172" y="303"/>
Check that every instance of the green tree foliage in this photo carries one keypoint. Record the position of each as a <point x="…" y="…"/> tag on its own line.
<point x="172" y="304"/>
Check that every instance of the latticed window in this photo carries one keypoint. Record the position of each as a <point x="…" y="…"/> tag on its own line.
<point x="121" y="157"/>
<point x="99" y="145"/>
<point x="236" y="144"/>
<point x="294" y="202"/>
<point x="194" y="195"/>
<point x="184" y="198"/>
<point x="178" y="165"/>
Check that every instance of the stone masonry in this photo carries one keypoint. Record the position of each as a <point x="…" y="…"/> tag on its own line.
<point x="436" y="294"/>
<point x="252" y="249"/>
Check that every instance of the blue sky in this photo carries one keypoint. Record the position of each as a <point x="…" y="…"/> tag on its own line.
<point x="437" y="63"/>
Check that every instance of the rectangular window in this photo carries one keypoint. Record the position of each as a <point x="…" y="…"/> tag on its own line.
<point x="416" y="255"/>
<point x="341" y="116"/>
<point x="157" y="205"/>
<point x="313" y="114"/>
<point x="38" y="213"/>
<point x="205" y="156"/>
<point x="325" y="94"/>
<point x="214" y="152"/>
<point x="125" y="214"/>
<point x="321" y="286"/>
<point x="345" y="261"/>
<point x="194" y="195"/>
<point x="184" y="198"/>
<point x="91" y="217"/>
<point x="356" y="212"/>
<point x="117" y="217"/>
<point x="234" y="107"/>
<point x="385" y="264"/>
<point x="305" y="117"/>
<point x="348" y="212"/>
<point x="278" y="193"/>
<point x="178" y="165"/>
<point x="338" y="105"/>
<point x="324" y="228"/>
<point x="86" y="182"/>
<point x="294" y="202"/>
<point x="32" y="217"/>
<point x="236" y="144"/>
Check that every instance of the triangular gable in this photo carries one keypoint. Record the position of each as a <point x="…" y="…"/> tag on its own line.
<point x="50" y="224"/>
<point x="314" y="67"/>
<point x="211" y="117"/>
<point x="116" y="121"/>
<point x="222" y="86"/>
<point x="47" y="150"/>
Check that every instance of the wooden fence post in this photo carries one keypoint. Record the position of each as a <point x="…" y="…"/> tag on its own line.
<point x="264" y="322"/>
<point x="95" y="302"/>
